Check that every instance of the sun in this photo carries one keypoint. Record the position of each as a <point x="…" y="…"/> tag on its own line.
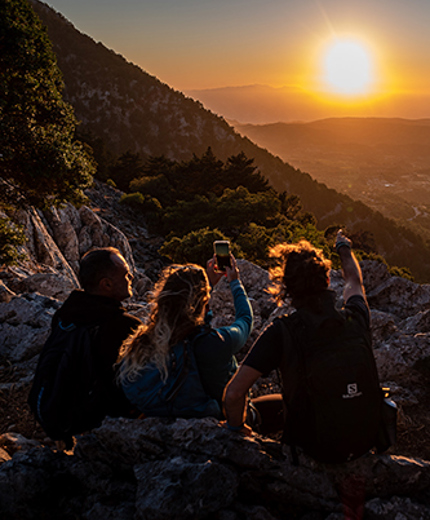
<point x="347" y="67"/>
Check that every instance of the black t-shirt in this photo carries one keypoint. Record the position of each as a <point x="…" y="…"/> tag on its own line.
<point x="274" y="347"/>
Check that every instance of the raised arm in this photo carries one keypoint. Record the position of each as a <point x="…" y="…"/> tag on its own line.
<point x="239" y="331"/>
<point x="350" y="267"/>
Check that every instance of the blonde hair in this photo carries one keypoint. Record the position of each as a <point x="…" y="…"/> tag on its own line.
<point x="178" y="304"/>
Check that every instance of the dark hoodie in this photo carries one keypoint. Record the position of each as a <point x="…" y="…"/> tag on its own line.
<point x="114" y="327"/>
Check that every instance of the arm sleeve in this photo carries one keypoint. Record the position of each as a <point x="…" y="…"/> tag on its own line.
<point x="358" y="305"/>
<point x="266" y="353"/>
<point x="238" y="332"/>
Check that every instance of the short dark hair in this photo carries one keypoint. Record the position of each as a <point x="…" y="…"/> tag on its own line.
<point x="303" y="270"/>
<point x="95" y="265"/>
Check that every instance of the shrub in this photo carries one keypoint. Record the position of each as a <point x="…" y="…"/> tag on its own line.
<point x="195" y="247"/>
<point x="11" y="236"/>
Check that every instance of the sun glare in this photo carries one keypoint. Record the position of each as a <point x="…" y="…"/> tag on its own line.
<point x="347" y="67"/>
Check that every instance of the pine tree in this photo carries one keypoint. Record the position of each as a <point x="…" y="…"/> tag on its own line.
<point x="39" y="156"/>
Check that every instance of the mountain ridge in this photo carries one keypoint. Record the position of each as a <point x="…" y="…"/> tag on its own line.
<point x="131" y="110"/>
<point x="264" y="104"/>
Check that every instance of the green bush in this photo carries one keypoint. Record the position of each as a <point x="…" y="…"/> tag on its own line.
<point x="403" y="272"/>
<point x="158" y="187"/>
<point x="11" y="236"/>
<point x="144" y="203"/>
<point x="195" y="247"/>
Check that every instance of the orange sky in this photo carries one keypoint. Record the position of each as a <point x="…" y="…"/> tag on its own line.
<point x="194" y="45"/>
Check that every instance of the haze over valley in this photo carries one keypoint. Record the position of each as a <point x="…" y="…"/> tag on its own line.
<point x="383" y="162"/>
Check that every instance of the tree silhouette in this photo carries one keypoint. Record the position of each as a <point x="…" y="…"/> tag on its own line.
<point x="40" y="159"/>
<point x="127" y="168"/>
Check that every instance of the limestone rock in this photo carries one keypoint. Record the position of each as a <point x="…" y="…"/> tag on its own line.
<point x="40" y="246"/>
<point x="14" y="442"/>
<point x="25" y="323"/>
<point x="6" y="294"/>
<point x="4" y="456"/>
<point x="96" y="232"/>
<point x="384" y="325"/>
<point x="141" y="285"/>
<point x="395" y="358"/>
<point x="183" y="469"/>
<point x="400" y="297"/>
<point x="176" y="488"/>
<point x="53" y="285"/>
<point x="418" y="322"/>
<point x="65" y="223"/>
<point x="374" y="274"/>
<point x="396" y="508"/>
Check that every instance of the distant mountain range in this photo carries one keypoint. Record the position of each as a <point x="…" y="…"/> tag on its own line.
<point x="263" y="104"/>
<point x="385" y="163"/>
<point x="132" y="110"/>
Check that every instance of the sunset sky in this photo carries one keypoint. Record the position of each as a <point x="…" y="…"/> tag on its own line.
<point x="350" y="57"/>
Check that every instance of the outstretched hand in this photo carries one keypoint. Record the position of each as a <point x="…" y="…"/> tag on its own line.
<point x="214" y="276"/>
<point x="342" y="240"/>
<point x="232" y="273"/>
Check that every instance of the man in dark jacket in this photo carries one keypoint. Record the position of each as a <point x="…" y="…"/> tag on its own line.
<point x="106" y="281"/>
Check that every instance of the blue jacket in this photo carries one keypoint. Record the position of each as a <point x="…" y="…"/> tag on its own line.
<point x="215" y="352"/>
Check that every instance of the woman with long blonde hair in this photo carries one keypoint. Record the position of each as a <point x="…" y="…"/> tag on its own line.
<point x="177" y="316"/>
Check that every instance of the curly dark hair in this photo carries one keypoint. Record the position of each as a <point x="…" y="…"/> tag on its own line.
<point x="302" y="271"/>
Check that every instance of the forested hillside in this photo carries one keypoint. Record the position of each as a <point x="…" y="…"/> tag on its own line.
<point x="129" y="110"/>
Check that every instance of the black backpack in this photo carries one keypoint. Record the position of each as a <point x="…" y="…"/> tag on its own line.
<point x="335" y="412"/>
<point x="66" y="396"/>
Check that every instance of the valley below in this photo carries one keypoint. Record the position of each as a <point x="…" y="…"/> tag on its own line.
<point x="384" y="163"/>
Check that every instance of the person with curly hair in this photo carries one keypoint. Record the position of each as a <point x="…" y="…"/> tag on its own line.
<point x="302" y="275"/>
<point x="178" y="313"/>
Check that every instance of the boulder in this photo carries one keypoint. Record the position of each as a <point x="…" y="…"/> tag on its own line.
<point x="374" y="274"/>
<point x="384" y="326"/>
<point x="65" y="224"/>
<point x="14" y="442"/>
<point x="6" y="294"/>
<point x="400" y="297"/>
<point x="53" y="285"/>
<point x="41" y="247"/>
<point x="396" y="508"/>
<point x="96" y="232"/>
<point x="194" y="469"/>
<point x="397" y="357"/>
<point x="25" y="323"/>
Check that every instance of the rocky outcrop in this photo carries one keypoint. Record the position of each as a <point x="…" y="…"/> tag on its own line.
<point x="31" y="292"/>
<point x="156" y="469"/>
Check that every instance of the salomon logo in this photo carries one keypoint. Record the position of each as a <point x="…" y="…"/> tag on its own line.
<point x="352" y="391"/>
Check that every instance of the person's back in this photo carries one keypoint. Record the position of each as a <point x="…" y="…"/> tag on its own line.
<point x="333" y="399"/>
<point x="316" y="350"/>
<point x="95" y="317"/>
<point x="175" y="330"/>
